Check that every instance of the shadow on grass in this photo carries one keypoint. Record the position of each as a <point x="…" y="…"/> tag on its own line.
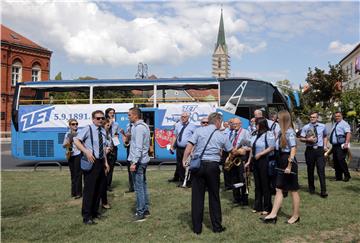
<point x="352" y="188"/>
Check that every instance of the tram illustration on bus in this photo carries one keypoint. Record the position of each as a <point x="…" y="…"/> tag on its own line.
<point x="41" y="109"/>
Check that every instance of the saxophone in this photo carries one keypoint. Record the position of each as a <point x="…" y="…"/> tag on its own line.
<point x="68" y="146"/>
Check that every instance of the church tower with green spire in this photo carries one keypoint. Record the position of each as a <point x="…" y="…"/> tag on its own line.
<point x="220" y="57"/>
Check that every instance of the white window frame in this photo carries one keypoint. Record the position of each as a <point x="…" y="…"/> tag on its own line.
<point x="36" y="68"/>
<point x="16" y="73"/>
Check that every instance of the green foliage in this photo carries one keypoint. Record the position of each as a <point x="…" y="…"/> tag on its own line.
<point x="36" y="206"/>
<point x="58" y="76"/>
<point x="324" y="91"/>
<point x="350" y="102"/>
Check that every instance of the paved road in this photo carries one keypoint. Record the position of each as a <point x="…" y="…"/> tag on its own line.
<point x="10" y="163"/>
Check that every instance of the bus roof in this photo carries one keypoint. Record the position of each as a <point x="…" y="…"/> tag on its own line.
<point x="161" y="81"/>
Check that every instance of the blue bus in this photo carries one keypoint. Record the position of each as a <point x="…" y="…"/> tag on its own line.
<point x="41" y="109"/>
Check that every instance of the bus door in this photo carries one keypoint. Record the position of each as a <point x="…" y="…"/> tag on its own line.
<point x="123" y="121"/>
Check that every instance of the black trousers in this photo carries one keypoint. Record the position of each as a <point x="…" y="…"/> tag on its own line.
<point x="237" y="176"/>
<point x="227" y="174"/>
<point x="179" y="165"/>
<point x="75" y="175"/>
<point x="208" y="177"/>
<point x="315" y="157"/>
<point x="340" y="165"/>
<point x="93" y="179"/>
<point x="262" y="185"/>
<point x="111" y="162"/>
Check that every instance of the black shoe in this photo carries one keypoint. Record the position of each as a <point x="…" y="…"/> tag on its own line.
<point x="147" y="213"/>
<point x="269" y="220"/>
<point x="222" y="229"/>
<point x="324" y="194"/>
<point x="173" y="180"/>
<point x="89" y="221"/>
<point x="346" y="179"/>
<point x="139" y="218"/>
<point x="296" y="221"/>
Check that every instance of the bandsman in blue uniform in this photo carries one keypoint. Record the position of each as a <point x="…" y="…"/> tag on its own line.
<point x="314" y="135"/>
<point x="183" y="132"/>
<point x="287" y="178"/>
<point x="209" y="141"/>
<point x="241" y="145"/>
<point x="73" y="159"/>
<point x="113" y="132"/>
<point x="91" y="141"/>
<point x="340" y="139"/>
<point x="262" y="147"/>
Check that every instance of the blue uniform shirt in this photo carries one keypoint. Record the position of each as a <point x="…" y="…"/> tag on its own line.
<point x="68" y="137"/>
<point x="321" y="133"/>
<point x="186" y="135"/>
<point x="274" y="127"/>
<point x="242" y="138"/>
<point x="114" y="129"/>
<point x="217" y="142"/>
<point x="260" y="142"/>
<point x="84" y="136"/>
<point x="139" y="143"/>
<point x="290" y="140"/>
<point x="341" y="129"/>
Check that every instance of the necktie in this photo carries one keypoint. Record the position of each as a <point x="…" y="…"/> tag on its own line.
<point x="101" y="145"/>
<point x="332" y="132"/>
<point x="182" y="131"/>
<point x="316" y="133"/>
<point x="230" y="134"/>
<point x="234" y="139"/>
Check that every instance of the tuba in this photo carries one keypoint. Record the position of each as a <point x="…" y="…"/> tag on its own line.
<point x="231" y="161"/>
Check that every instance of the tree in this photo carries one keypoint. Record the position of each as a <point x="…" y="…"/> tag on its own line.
<point x="324" y="90"/>
<point x="58" y="76"/>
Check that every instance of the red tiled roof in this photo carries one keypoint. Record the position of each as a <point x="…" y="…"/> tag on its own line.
<point x="11" y="36"/>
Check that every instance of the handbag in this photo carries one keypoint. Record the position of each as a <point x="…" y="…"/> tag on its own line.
<point x="84" y="163"/>
<point x="195" y="161"/>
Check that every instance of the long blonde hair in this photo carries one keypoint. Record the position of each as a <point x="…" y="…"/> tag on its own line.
<point x="285" y="123"/>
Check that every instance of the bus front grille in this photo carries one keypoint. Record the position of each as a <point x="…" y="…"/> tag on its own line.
<point x="39" y="148"/>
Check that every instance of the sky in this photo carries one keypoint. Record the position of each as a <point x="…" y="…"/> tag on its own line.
<point x="266" y="40"/>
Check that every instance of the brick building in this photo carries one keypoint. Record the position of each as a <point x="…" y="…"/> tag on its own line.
<point x="21" y="60"/>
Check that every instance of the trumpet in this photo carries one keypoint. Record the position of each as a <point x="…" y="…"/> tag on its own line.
<point x="330" y="160"/>
<point x="187" y="171"/>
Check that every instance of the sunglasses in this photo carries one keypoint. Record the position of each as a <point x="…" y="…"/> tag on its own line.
<point x="100" y="118"/>
<point x="74" y="124"/>
<point x="204" y="122"/>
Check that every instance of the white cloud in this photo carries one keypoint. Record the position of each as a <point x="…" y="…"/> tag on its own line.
<point x="89" y="32"/>
<point x="340" y="48"/>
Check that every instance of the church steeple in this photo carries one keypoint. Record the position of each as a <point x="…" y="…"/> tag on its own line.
<point x="220" y="57"/>
<point x="221" y="33"/>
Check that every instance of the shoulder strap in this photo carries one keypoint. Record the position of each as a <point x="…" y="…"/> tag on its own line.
<point x="266" y="142"/>
<point x="202" y="153"/>
<point x="92" y="140"/>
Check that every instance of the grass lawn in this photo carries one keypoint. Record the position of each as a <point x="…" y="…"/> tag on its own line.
<point x="36" y="206"/>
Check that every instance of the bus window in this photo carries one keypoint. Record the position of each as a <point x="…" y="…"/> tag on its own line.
<point x="140" y="96"/>
<point x="59" y="95"/>
<point x="187" y="93"/>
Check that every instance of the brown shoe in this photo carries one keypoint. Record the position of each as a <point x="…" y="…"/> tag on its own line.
<point x="106" y="206"/>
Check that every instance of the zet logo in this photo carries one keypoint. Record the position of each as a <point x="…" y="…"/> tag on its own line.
<point x="34" y="118"/>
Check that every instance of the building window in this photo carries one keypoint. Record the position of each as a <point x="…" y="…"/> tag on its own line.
<point x="16" y="71"/>
<point x="219" y="63"/>
<point x="2" y="115"/>
<point x="36" y="73"/>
